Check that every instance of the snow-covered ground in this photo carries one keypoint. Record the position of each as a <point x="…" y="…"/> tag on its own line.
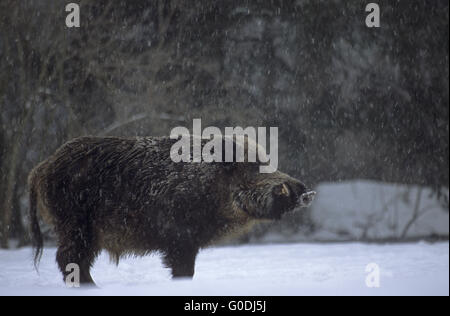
<point x="287" y="269"/>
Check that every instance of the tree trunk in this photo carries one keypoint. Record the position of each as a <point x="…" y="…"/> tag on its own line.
<point x="9" y="187"/>
<point x="13" y="158"/>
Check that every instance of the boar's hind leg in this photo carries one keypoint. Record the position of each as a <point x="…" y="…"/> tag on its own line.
<point x="76" y="247"/>
<point x="181" y="261"/>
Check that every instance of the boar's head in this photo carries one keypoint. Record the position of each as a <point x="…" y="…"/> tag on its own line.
<point x="266" y="195"/>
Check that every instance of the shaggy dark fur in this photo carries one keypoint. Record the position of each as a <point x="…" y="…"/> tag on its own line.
<point x="127" y="196"/>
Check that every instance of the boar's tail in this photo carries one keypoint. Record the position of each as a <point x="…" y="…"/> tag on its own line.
<point x="36" y="235"/>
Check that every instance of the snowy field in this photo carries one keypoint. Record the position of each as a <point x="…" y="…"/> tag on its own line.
<point x="289" y="269"/>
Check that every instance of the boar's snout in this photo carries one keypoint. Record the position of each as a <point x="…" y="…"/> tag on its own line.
<point x="290" y="195"/>
<point x="306" y="198"/>
<point x="303" y="197"/>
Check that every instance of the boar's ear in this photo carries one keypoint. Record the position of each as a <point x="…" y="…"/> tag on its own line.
<point x="281" y="190"/>
<point x="229" y="166"/>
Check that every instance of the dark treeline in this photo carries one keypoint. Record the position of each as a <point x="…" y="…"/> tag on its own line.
<point x="350" y="102"/>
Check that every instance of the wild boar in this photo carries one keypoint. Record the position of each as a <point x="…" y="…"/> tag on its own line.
<point x="126" y="196"/>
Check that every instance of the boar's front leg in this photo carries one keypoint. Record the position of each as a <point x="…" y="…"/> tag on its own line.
<point x="181" y="261"/>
